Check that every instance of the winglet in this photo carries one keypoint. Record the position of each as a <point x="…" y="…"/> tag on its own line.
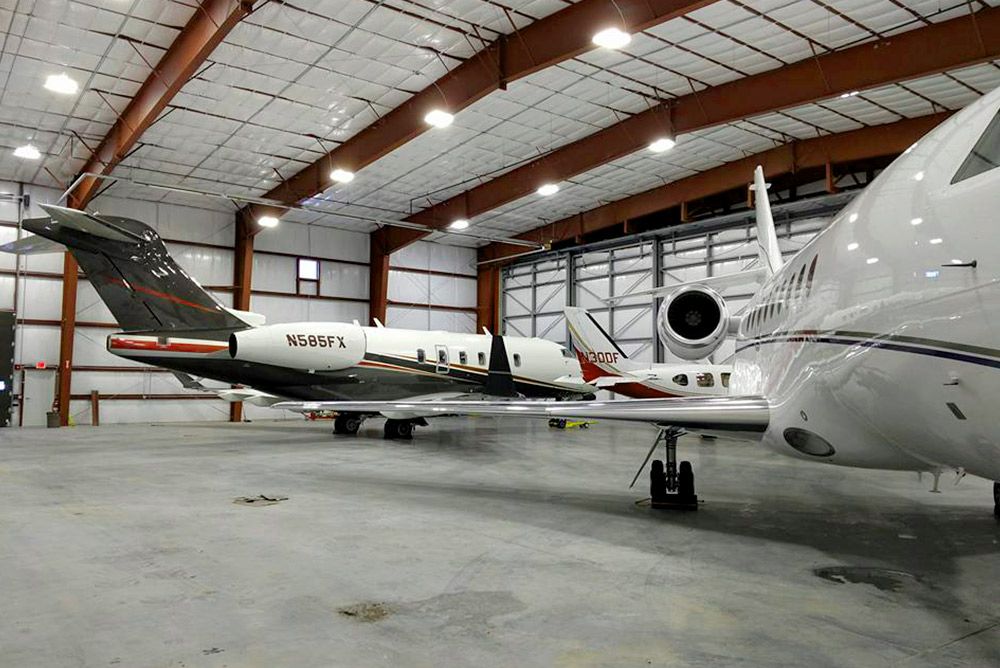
<point x="378" y="323"/>
<point x="486" y="331"/>
<point x="767" y="238"/>
<point x="499" y="381"/>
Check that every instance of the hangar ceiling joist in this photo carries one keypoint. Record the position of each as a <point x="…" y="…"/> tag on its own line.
<point x="932" y="49"/>
<point x="545" y="42"/>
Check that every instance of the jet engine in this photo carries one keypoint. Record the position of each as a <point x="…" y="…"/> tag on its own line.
<point x="315" y="346"/>
<point x="693" y="322"/>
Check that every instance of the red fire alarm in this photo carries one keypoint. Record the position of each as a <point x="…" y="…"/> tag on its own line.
<point x="39" y="365"/>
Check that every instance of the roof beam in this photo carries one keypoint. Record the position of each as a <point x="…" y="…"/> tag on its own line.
<point x="206" y="29"/>
<point x="960" y="42"/>
<point x="553" y="39"/>
<point x="866" y="143"/>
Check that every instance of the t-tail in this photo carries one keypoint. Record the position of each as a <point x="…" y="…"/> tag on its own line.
<point x="132" y="271"/>
<point x="598" y="353"/>
<point x="767" y="238"/>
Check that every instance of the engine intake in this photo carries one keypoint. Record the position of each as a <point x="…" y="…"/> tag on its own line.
<point x="693" y="322"/>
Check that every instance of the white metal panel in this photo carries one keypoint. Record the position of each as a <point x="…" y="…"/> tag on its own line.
<point x="302" y="309"/>
<point x="275" y="273"/>
<point x="343" y="280"/>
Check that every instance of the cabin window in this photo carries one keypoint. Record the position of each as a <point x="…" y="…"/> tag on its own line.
<point x="705" y="380"/>
<point x="517" y="359"/>
<point x="567" y="353"/>
<point x="482" y="359"/>
<point x="680" y="379"/>
<point x="798" y="288"/>
<point x="809" y="278"/>
<point x="985" y="154"/>
<point x="463" y="358"/>
<point x="421" y="355"/>
<point x="725" y="379"/>
<point x="442" y="356"/>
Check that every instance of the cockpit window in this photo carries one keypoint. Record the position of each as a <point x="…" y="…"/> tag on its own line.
<point x="681" y="379"/>
<point x="985" y="154"/>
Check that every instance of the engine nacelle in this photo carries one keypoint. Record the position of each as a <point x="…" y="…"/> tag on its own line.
<point x="693" y="322"/>
<point x="316" y="346"/>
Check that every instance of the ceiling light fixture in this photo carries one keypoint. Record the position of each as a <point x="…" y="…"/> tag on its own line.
<point x="28" y="152"/>
<point x="267" y="221"/>
<point x="852" y="246"/>
<point x="847" y="95"/>
<point x="916" y="221"/>
<point x="872" y="260"/>
<point x="612" y="38"/>
<point x="459" y="224"/>
<point x="62" y="83"/>
<point x="548" y="189"/>
<point x="439" y="118"/>
<point x="662" y="144"/>
<point x="342" y="175"/>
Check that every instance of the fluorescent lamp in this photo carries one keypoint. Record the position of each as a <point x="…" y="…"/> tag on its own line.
<point x="62" y="83"/>
<point x="28" y="152"/>
<point x="439" y="118"/>
<point x="548" y="189"/>
<point x="662" y="144"/>
<point x="459" y="224"/>
<point x="852" y="246"/>
<point x="846" y="95"/>
<point x="919" y="176"/>
<point x="916" y="221"/>
<point x="936" y="240"/>
<point x="267" y="221"/>
<point x="612" y="38"/>
<point x="872" y="260"/>
<point x="342" y="175"/>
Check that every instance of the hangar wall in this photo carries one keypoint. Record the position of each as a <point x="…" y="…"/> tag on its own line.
<point x="202" y="241"/>
<point x="533" y="293"/>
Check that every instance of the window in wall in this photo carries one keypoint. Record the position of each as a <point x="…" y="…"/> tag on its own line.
<point x="985" y="154"/>
<point x="681" y="379"/>
<point x="421" y="355"/>
<point x="482" y="359"/>
<point x="307" y="282"/>
<point x="517" y="359"/>
<point x="463" y="358"/>
<point x="705" y="380"/>
<point x="725" y="379"/>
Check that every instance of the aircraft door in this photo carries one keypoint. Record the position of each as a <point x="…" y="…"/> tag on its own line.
<point x="442" y="364"/>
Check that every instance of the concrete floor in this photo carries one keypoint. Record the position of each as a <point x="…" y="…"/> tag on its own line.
<point x="481" y="542"/>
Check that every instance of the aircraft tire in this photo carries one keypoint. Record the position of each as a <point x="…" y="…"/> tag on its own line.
<point x="685" y="480"/>
<point x="351" y="424"/>
<point x="996" y="499"/>
<point x="398" y="429"/>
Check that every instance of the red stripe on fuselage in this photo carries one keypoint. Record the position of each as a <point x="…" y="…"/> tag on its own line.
<point x="150" y="344"/>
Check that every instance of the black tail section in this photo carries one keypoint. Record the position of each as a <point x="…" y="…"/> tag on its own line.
<point x="133" y="272"/>
<point x="499" y="381"/>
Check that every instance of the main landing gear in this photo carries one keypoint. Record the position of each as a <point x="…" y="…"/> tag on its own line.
<point x="670" y="487"/>
<point x="402" y="429"/>
<point x="996" y="499"/>
<point x="347" y="423"/>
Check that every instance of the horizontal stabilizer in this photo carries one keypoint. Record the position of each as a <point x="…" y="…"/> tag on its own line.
<point x="33" y="245"/>
<point x="80" y="221"/>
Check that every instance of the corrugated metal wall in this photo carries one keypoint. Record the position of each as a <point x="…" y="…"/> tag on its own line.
<point x="432" y="286"/>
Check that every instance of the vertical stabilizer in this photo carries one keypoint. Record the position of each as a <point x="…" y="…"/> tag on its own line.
<point x="767" y="237"/>
<point x="499" y="380"/>
<point x="599" y="355"/>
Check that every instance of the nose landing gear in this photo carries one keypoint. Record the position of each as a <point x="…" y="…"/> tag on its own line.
<point x="670" y="487"/>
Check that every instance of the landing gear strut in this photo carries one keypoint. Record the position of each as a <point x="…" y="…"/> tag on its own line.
<point x="996" y="499"/>
<point x="347" y="423"/>
<point x="670" y="487"/>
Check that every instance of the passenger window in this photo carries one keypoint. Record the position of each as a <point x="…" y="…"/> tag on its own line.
<point x="421" y="355"/>
<point x="725" y="379"/>
<point x="442" y="356"/>
<point x="798" y="287"/>
<point x="517" y="359"/>
<point x="680" y="379"/>
<point x="705" y="380"/>
<point x="985" y="154"/>
<point x="809" y="278"/>
<point x="482" y="359"/>
<point x="463" y="358"/>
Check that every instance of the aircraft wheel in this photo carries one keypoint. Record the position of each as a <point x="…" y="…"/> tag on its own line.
<point x="349" y="424"/>
<point x="996" y="499"/>
<point x="398" y="429"/>
<point x="685" y="480"/>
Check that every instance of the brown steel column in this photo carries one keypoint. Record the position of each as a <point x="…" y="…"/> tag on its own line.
<point x="67" y="332"/>
<point x="378" y="274"/>
<point x="242" y="283"/>
<point x="488" y="298"/>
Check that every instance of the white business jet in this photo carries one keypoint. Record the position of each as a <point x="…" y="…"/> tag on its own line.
<point x="876" y="346"/>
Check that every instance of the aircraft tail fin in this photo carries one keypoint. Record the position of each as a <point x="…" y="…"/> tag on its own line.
<point x="499" y="380"/>
<point x="598" y="353"/>
<point x="134" y="274"/>
<point x="767" y="237"/>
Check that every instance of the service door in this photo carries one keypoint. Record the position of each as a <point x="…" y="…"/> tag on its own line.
<point x="39" y="394"/>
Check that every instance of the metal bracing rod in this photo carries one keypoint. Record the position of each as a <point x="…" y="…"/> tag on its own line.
<point x="249" y="199"/>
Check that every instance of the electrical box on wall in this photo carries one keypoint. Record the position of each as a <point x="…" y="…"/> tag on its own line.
<point x="6" y="365"/>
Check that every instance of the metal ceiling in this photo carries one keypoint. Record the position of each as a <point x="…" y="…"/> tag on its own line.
<point x="294" y="79"/>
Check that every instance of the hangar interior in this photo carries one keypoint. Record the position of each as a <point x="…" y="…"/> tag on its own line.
<point x="461" y="166"/>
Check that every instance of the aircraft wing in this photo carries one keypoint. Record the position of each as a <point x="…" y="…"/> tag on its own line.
<point x="712" y="414"/>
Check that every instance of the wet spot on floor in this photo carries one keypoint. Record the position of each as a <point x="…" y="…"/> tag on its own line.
<point x="259" y="500"/>
<point x="883" y="579"/>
